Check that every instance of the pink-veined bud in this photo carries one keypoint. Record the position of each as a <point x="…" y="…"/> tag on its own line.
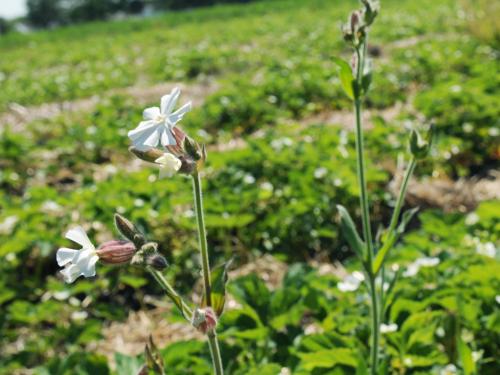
<point x="204" y="320"/>
<point x="116" y="252"/>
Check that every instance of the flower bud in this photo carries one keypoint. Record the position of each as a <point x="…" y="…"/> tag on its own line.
<point x="418" y="146"/>
<point x="372" y="8"/>
<point x="116" y="252"/>
<point x="204" y="320"/>
<point x="157" y="261"/>
<point x="192" y="148"/>
<point x="129" y="231"/>
<point x="149" y="155"/>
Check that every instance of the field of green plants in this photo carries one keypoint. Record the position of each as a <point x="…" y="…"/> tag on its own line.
<point x="278" y="129"/>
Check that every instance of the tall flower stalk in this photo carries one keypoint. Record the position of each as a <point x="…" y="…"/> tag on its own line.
<point x="182" y="155"/>
<point x="356" y="78"/>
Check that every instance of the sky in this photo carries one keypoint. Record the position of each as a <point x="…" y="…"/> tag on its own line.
<point x="12" y="8"/>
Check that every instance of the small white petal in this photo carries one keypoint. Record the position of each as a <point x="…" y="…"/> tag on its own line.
<point x="177" y="116"/>
<point x="79" y="236"/>
<point x="71" y="273"/>
<point x="65" y="256"/>
<point x="167" y="138"/>
<point x="151" y="113"/>
<point x="89" y="269"/>
<point x="169" y="101"/>
<point x="428" y="262"/>
<point x="388" y="328"/>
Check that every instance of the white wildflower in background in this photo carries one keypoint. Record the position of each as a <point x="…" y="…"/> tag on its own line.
<point x="497" y="298"/>
<point x="487" y="249"/>
<point x="77" y="263"/>
<point x="413" y="268"/>
<point x="158" y="123"/>
<point x="8" y="224"/>
<point x="450" y="369"/>
<point x="351" y="282"/>
<point x="471" y="219"/>
<point x="388" y="328"/>
<point x="320" y="172"/>
<point x="169" y="165"/>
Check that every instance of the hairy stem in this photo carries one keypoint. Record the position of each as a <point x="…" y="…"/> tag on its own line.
<point x="168" y="288"/>
<point x="212" y="336"/>
<point x="365" y="212"/>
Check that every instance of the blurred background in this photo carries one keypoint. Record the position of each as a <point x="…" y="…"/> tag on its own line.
<point x="74" y="79"/>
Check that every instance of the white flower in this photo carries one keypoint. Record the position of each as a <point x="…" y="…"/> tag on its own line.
<point x="449" y="370"/>
<point x="497" y="298"/>
<point x="8" y="224"/>
<point x="428" y="262"/>
<point x="388" y="328"/>
<point x="413" y="268"/>
<point x="158" y="123"/>
<point x="77" y="262"/>
<point x="351" y="282"/>
<point x="320" y="172"/>
<point x="471" y="219"/>
<point x="487" y="249"/>
<point x="169" y="165"/>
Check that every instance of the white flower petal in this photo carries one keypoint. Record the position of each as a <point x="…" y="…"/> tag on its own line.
<point x="89" y="269"/>
<point x="151" y="113"/>
<point x="71" y="273"/>
<point x="388" y="328"/>
<point x="167" y="138"/>
<point x="79" y="236"/>
<point x="177" y="116"/>
<point x="65" y="256"/>
<point x="142" y="133"/>
<point x="152" y="140"/>
<point x="169" y="101"/>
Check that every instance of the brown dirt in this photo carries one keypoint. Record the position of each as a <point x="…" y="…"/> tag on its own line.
<point x="18" y="116"/>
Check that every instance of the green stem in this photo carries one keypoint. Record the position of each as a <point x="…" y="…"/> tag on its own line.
<point x="401" y="196"/>
<point x="168" y="288"/>
<point x="374" y="349"/>
<point x="365" y="211"/>
<point x="212" y="336"/>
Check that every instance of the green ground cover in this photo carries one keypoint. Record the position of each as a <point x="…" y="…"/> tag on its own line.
<point x="274" y="194"/>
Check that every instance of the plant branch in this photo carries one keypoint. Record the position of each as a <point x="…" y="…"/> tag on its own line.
<point x="212" y="336"/>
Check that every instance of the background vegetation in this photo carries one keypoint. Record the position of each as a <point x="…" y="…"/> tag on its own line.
<point x="270" y="108"/>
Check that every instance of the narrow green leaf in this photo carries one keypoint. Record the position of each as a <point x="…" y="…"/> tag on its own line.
<point x="392" y="238"/>
<point x="346" y="77"/>
<point x="350" y="232"/>
<point x="218" y="290"/>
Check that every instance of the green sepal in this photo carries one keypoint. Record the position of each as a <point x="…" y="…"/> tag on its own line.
<point x="346" y="78"/>
<point x="392" y="238"/>
<point x="350" y="233"/>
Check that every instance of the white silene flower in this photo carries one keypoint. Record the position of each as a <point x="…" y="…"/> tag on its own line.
<point x="413" y="268"/>
<point x="449" y="370"/>
<point x="169" y="165"/>
<point x="158" y="123"/>
<point x="388" y="328"/>
<point x="351" y="282"/>
<point x="487" y="249"/>
<point x="77" y="263"/>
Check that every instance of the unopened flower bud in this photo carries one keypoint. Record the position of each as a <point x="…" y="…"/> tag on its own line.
<point x="192" y="148"/>
<point x="372" y="8"/>
<point x="204" y="320"/>
<point x="420" y="147"/>
<point x="149" y="155"/>
<point x="116" y="252"/>
<point x="157" y="261"/>
<point x="129" y="231"/>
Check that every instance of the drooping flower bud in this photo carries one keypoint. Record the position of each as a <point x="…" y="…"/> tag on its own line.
<point x="116" y="252"/>
<point x="157" y="261"/>
<point x="129" y="230"/>
<point x="204" y="320"/>
<point x="148" y="155"/>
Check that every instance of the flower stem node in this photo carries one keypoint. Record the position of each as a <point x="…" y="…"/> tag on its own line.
<point x="116" y="252"/>
<point x="204" y="320"/>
